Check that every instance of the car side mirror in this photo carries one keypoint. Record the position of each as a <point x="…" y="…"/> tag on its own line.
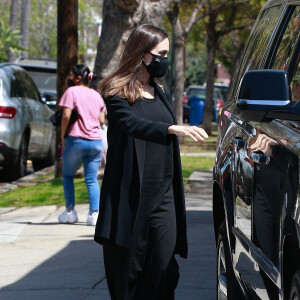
<point x="265" y="95"/>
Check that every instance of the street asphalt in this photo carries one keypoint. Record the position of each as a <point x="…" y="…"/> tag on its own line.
<point x="42" y="259"/>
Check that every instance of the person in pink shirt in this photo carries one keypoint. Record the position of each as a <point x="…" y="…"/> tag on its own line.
<point x="81" y="141"/>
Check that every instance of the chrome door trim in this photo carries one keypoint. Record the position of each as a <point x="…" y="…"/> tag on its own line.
<point x="279" y="103"/>
<point x="223" y="285"/>
<point x="264" y="263"/>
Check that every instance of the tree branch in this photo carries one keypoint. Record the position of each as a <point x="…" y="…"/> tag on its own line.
<point x="221" y="6"/>
<point x="225" y="31"/>
<point x="193" y="19"/>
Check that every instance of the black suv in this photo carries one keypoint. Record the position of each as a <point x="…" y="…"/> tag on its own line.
<point x="256" y="191"/>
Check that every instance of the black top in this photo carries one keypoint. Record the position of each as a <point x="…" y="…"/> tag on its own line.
<point x="158" y="164"/>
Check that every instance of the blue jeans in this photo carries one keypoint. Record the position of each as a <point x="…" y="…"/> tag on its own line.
<point x="90" y="153"/>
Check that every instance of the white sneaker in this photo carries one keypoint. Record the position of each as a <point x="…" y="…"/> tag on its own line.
<point x="92" y="218"/>
<point x="68" y="217"/>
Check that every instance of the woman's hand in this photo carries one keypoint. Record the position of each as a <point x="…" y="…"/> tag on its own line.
<point x="196" y="133"/>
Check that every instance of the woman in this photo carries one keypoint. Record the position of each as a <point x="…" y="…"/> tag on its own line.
<point x="142" y="223"/>
<point x="81" y="141"/>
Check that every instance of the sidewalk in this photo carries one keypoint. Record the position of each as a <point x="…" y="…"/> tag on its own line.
<point x="42" y="259"/>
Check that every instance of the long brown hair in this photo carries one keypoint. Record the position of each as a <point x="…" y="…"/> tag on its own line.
<point x="123" y="81"/>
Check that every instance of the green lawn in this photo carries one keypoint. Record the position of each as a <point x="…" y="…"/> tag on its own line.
<point x="49" y="190"/>
<point x="190" y="164"/>
<point x="187" y="145"/>
<point x="44" y="193"/>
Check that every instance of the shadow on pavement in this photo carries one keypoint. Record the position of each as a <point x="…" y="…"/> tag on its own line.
<point x="77" y="271"/>
<point x="78" y="268"/>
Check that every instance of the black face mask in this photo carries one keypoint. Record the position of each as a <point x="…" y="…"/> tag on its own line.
<point x="71" y="82"/>
<point x="158" y="66"/>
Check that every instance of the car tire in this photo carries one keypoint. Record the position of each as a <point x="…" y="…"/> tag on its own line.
<point x="295" y="287"/>
<point x="19" y="167"/>
<point x="39" y="164"/>
<point x="227" y="285"/>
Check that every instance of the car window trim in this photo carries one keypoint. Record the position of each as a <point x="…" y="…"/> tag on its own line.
<point x="277" y="30"/>
<point x="292" y="65"/>
<point x="236" y="86"/>
<point x="277" y="37"/>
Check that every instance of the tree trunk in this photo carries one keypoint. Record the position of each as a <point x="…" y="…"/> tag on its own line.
<point x="119" y="18"/>
<point x="211" y="46"/>
<point x="178" y="67"/>
<point x="67" y="54"/>
<point x="25" y="16"/>
<point x="13" y="23"/>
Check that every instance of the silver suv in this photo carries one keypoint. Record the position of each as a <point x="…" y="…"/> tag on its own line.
<point x="25" y="129"/>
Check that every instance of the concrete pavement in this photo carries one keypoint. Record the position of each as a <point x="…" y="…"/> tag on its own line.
<point x="42" y="259"/>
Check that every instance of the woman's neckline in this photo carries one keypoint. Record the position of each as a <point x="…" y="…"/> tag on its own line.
<point x="147" y="95"/>
<point x="153" y="99"/>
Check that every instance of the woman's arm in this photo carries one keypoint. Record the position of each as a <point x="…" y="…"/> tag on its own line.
<point x="65" y="119"/>
<point x="120" y="112"/>
<point x="196" y="133"/>
<point x="102" y="118"/>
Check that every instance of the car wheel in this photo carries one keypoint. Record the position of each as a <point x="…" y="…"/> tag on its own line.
<point x="19" y="167"/>
<point x="295" y="287"/>
<point x="227" y="286"/>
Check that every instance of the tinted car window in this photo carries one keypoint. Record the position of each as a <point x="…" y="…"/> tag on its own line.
<point x="15" y="91"/>
<point x="32" y="90"/>
<point x="26" y="86"/>
<point x="260" y="39"/>
<point x="295" y="83"/>
<point x="258" y="42"/>
<point x="288" y="43"/>
<point x="19" y="85"/>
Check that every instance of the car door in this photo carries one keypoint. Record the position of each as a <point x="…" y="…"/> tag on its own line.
<point x="263" y="164"/>
<point x="32" y="110"/>
<point x="44" y="126"/>
<point x="246" y="160"/>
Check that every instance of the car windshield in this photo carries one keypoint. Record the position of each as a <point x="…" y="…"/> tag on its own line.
<point x="43" y="80"/>
<point x="196" y="92"/>
<point x="201" y="93"/>
<point x="224" y="91"/>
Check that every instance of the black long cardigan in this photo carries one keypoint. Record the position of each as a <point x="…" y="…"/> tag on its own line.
<point x="127" y="133"/>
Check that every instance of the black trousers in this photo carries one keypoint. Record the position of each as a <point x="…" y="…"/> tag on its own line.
<point x="156" y="276"/>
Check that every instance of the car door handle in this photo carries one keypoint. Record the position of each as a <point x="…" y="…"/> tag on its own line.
<point x="260" y="158"/>
<point x="238" y="143"/>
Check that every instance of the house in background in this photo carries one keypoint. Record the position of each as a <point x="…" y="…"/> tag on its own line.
<point x="222" y="75"/>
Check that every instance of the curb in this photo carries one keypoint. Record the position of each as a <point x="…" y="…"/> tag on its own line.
<point x="26" y="180"/>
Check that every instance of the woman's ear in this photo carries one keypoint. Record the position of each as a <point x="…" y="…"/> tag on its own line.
<point x="77" y="79"/>
<point x="147" y="58"/>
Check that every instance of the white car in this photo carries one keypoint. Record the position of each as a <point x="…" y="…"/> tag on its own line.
<point x="25" y="129"/>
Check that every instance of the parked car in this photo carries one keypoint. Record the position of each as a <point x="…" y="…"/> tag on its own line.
<point x="25" y="129"/>
<point x="223" y="87"/>
<point x="198" y="93"/>
<point x="43" y="73"/>
<point x="256" y="192"/>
